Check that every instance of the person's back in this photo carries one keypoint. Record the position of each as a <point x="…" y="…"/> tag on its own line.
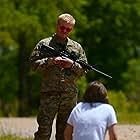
<point x="91" y="121"/>
<point x="91" y="118"/>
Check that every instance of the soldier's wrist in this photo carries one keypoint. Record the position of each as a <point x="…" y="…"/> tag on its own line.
<point x="72" y="65"/>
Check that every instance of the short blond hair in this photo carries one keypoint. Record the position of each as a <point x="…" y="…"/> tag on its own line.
<point x="67" y="17"/>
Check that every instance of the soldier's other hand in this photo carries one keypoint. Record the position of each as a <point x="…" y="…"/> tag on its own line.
<point x="57" y="60"/>
<point x="63" y="62"/>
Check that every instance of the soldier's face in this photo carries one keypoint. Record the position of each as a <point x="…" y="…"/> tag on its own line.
<point x="63" y="29"/>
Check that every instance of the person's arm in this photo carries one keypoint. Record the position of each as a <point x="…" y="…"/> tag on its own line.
<point x="37" y="61"/>
<point x="112" y="132"/>
<point x="68" y="132"/>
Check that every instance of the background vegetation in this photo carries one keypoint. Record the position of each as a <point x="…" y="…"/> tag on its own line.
<point x="108" y="30"/>
<point x="13" y="138"/>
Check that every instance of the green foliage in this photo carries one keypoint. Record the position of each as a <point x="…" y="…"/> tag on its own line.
<point x="111" y="36"/>
<point x="129" y="118"/>
<point x="107" y="29"/>
<point x="132" y="79"/>
<point x="82" y="85"/>
<point x="119" y="101"/>
<point x="8" y="82"/>
<point x="127" y="110"/>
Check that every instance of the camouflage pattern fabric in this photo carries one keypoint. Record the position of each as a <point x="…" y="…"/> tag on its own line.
<point x="51" y="104"/>
<point x="58" y="86"/>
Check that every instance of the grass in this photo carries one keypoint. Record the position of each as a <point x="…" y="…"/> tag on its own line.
<point x="9" y="137"/>
<point x="129" y="118"/>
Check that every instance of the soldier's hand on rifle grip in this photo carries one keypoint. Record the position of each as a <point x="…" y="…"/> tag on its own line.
<point x="63" y="62"/>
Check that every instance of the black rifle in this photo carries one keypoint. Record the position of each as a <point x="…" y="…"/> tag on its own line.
<point x="48" y="51"/>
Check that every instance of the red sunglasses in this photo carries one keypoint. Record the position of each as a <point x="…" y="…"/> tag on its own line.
<point x="64" y="28"/>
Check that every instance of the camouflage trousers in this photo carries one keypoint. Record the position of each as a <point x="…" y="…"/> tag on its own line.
<point x="53" y="103"/>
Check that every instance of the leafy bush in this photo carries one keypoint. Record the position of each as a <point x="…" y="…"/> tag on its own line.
<point x="127" y="110"/>
<point x="119" y="101"/>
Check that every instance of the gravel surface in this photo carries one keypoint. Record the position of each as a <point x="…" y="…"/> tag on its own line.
<point x="25" y="127"/>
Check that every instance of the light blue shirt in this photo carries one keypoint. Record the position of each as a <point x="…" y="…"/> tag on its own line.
<point x="90" y="121"/>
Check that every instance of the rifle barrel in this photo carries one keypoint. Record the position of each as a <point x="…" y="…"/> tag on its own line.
<point x="102" y="73"/>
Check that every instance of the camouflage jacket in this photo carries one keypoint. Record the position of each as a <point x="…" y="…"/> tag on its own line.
<point x="55" y="79"/>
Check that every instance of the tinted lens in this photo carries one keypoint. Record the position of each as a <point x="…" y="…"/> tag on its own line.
<point x="64" y="28"/>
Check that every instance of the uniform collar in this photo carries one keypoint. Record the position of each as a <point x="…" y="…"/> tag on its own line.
<point x="58" y="41"/>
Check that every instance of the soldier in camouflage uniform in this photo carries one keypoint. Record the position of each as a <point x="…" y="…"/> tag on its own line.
<point x="58" y="88"/>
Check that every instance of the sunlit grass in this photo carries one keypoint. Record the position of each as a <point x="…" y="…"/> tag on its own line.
<point x="129" y="118"/>
<point x="9" y="137"/>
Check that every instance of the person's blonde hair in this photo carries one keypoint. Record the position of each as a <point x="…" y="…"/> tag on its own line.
<point x="67" y="17"/>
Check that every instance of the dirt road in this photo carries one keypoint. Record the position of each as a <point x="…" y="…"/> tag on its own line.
<point x="25" y="127"/>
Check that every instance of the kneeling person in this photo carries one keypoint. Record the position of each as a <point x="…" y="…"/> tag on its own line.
<point x="92" y="117"/>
